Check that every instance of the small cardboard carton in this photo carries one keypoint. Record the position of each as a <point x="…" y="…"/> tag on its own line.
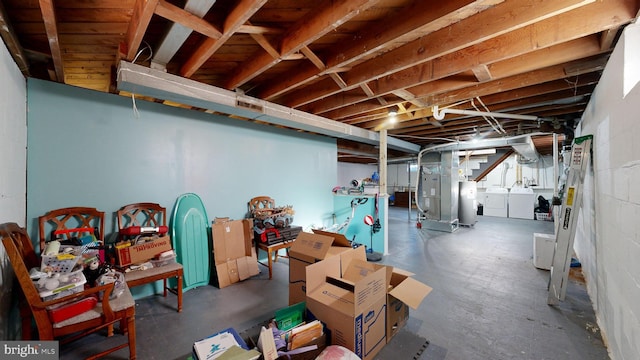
<point x="139" y="253"/>
<point x="351" y="300"/>
<point x="234" y="256"/>
<point x="404" y="292"/>
<point x="308" y="249"/>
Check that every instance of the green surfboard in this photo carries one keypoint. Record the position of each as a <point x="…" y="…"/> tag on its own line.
<point x="190" y="236"/>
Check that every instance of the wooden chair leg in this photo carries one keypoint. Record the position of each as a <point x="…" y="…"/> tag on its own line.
<point x="270" y="263"/>
<point x="179" y="290"/>
<point x="164" y="287"/>
<point x="27" y="328"/>
<point x="131" y="330"/>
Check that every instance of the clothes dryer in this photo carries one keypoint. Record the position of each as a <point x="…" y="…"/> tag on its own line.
<point x="496" y="202"/>
<point x="522" y="203"/>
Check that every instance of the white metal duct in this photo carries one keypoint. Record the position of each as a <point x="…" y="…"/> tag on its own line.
<point x="527" y="150"/>
<point x="160" y="85"/>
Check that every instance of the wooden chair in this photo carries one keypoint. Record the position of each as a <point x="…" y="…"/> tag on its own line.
<point x="153" y="215"/>
<point x="261" y="202"/>
<point x="107" y="312"/>
<point x="71" y="221"/>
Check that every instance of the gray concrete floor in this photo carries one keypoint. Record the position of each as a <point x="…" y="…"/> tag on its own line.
<point x="488" y="301"/>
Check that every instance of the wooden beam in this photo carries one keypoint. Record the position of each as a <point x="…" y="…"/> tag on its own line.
<point x="50" y="23"/>
<point x="524" y="39"/>
<point x="186" y="19"/>
<point x="238" y="16"/>
<point x="481" y="27"/>
<point x="266" y="45"/>
<point x="421" y="16"/>
<point x="11" y="40"/>
<point x="315" y="60"/>
<point x="513" y="82"/>
<point x="607" y="38"/>
<point x="255" y="29"/>
<point x="550" y="56"/>
<point x="482" y="72"/>
<point x="317" y="23"/>
<point x="142" y="12"/>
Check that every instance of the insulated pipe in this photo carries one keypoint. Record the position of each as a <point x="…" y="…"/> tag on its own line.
<point x="438" y="114"/>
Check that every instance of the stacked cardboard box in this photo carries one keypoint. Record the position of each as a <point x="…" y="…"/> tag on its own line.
<point x="363" y="304"/>
<point x="351" y="302"/>
<point x="309" y="249"/>
<point x="233" y="252"/>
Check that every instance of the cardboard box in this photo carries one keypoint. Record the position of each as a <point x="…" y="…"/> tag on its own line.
<point x="351" y="300"/>
<point x="234" y="256"/>
<point x="404" y="292"/>
<point x="308" y="249"/>
<point x="140" y="253"/>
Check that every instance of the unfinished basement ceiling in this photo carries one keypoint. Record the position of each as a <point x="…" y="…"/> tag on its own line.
<point x="346" y="61"/>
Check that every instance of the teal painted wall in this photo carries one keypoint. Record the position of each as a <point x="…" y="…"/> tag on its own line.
<point x="357" y="230"/>
<point x="88" y="148"/>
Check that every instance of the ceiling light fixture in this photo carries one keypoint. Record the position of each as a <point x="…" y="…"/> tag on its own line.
<point x="393" y="111"/>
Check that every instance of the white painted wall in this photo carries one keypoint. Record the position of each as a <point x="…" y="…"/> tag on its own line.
<point x="608" y="234"/>
<point x="349" y="171"/>
<point x="397" y="175"/>
<point x="399" y="178"/>
<point x="13" y="161"/>
<point x="540" y="172"/>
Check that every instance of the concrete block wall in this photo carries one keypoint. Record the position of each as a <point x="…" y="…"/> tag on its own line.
<point x="13" y="160"/>
<point x="608" y="234"/>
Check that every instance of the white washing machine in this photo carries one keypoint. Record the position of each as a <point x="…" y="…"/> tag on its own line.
<point x="496" y="202"/>
<point x="522" y="203"/>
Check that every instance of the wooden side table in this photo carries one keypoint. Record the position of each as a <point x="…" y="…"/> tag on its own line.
<point x="270" y="249"/>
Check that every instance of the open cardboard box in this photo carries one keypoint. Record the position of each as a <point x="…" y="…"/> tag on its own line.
<point x="234" y="256"/>
<point x="308" y="249"/>
<point x="342" y="287"/>
<point x="403" y="292"/>
<point x="350" y="298"/>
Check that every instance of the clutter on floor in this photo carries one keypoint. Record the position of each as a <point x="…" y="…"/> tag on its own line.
<point x="337" y="298"/>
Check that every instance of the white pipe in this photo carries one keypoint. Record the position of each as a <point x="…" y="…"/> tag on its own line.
<point x="497" y="127"/>
<point x="438" y="114"/>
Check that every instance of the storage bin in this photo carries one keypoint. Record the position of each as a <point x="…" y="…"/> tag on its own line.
<point x="543" y="249"/>
<point x="62" y="262"/>
<point x="164" y="261"/>
<point x="68" y="284"/>
<point x="543" y="217"/>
